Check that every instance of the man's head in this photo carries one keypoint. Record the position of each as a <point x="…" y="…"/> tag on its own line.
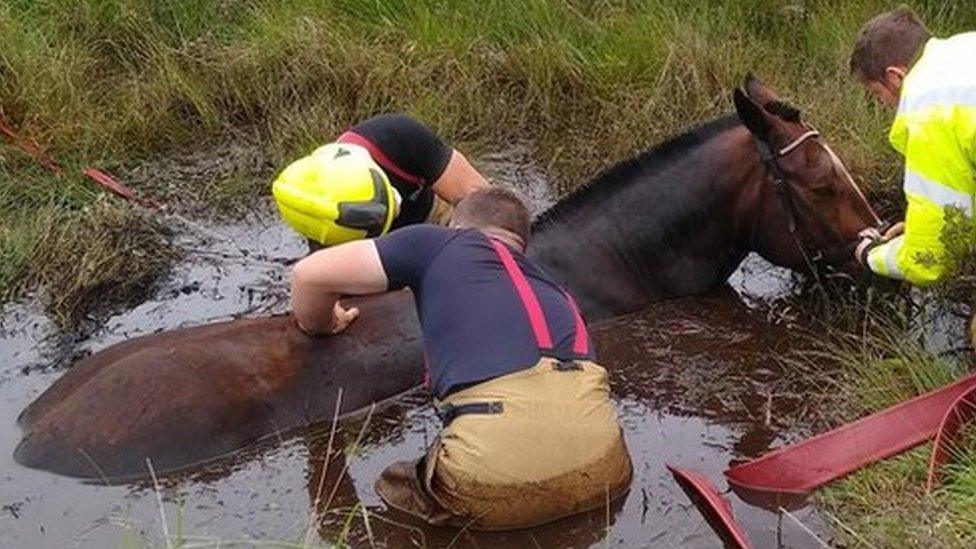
<point x="884" y="52"/>
<point x="493" y="208"/>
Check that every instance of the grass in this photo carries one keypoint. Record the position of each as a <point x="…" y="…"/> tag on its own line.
<point x="116" y="83"/>
<point x="885" y="505"/>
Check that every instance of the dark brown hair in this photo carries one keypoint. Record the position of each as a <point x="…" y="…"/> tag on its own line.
<point x="493" y="207"/>
<point x="891" y="39"/>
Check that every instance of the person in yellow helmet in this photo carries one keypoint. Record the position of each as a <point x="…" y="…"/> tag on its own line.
<point x="383" y="173"/>
<point x="932" y="84"/>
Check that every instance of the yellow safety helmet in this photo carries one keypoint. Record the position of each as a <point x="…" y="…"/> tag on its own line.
<point x="336" y="194"/>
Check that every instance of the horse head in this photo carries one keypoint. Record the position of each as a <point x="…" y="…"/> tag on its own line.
<point x="806" y="208"/>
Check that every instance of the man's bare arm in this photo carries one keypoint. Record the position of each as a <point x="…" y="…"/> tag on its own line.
<point x="319" y="279"/>
<point x="458" y="180"/>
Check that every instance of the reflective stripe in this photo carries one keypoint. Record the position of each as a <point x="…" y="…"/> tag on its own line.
<point x="937" y="192"/>
<point x="883" y="259"/>
<point x="943" y="97"/>
<point x="876" y="260"/>
<point x="891" y="258"/>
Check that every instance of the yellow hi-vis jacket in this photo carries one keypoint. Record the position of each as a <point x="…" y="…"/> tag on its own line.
<point x="935" y="129"/>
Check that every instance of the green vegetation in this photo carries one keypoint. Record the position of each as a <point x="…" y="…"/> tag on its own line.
<point x="883" y="359"/>
<point x="115" y="83"/>
<point x="885" y="505"/>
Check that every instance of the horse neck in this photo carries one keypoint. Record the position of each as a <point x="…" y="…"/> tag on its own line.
<point x="676" y="227"/>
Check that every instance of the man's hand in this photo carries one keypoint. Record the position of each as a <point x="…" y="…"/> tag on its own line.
<point x="862" y="249"/>
<point x="869" y="238"/>
<point x="319" y="279"/>
<point x="896" y="230"/>
<point x="342" y="318"/>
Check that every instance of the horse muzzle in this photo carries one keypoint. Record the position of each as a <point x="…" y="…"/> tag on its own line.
<point x="841" y="255"/>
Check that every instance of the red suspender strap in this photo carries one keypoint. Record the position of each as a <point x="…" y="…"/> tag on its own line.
<point x="531" y="305"/>
<point x="580" y="339"/>
<point x="529" y="301"/>
<point x="380" y="157"/>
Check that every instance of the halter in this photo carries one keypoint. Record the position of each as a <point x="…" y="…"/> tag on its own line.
<point x="784" y="191"/>
<point x="778" y="179"/>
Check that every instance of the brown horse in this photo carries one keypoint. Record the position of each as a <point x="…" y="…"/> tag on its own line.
<point x="674" y="221"/>
<point x="679" y="219"/>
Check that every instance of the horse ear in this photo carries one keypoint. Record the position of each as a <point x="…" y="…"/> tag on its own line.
<point x="759" y="92"/>
<point x="750" y="83"/>
<point x="750" y="114"/>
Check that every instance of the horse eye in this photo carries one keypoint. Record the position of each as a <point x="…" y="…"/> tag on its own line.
<point x="823" y="190"/>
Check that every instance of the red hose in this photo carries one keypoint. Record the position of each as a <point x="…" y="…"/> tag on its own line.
<point x="962" y="411"/>
<point x="32" y="149"/>
<point x="799" y="468"/>
<point x="712" y="505"/>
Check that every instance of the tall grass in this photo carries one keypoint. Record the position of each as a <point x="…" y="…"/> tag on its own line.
<point x="114" y="82"/>
<point x="885" y="505"/>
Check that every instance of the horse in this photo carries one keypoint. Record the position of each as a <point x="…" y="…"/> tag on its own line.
<point x="673" y="221"/>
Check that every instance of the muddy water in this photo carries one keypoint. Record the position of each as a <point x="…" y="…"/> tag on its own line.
<point x="695" y="380"/>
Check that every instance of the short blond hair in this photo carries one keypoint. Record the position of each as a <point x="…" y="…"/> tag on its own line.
<point x="892" y="39"/>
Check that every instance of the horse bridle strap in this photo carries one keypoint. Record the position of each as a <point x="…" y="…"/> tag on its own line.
<point x="778" y="179"/>
<point x="797" y="142"/>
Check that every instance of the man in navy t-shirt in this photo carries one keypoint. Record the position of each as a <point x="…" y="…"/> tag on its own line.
<point x="530" y="434"/>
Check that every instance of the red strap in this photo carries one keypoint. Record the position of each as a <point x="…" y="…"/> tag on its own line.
<point x="529" y="301"/>
<point x="380" y="157"/>
<point x="30" y="147"/>
<point x="581" y="338"/>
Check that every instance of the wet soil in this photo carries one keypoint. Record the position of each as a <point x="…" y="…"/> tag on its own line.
<point x="696" y="382"/>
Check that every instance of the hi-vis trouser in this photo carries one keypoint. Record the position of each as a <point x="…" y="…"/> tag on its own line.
<point x="935" y="129"/>
<point x="521" y="449"/>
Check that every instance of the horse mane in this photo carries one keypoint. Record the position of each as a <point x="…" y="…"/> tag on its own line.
<point x="625" y="172"/>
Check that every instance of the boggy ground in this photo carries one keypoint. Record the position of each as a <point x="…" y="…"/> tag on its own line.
<point x="162" y="92"/>
<point x="696" y="382"/>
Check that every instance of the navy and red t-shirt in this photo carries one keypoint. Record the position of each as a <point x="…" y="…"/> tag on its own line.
<point x="411" y="155"/>
<point x="475" y="327"/>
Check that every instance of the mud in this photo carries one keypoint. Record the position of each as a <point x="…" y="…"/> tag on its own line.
<point x="696" y="383"/>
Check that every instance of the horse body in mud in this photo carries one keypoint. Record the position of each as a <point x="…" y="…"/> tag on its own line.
<point x="674" y="221"/>
<point x="188" y="395"/>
